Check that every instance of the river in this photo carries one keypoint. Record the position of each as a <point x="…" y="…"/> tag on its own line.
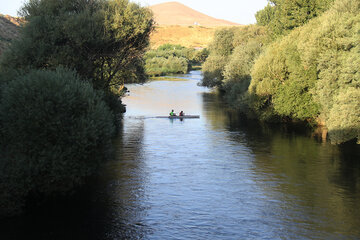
<point x="217" y="177"/>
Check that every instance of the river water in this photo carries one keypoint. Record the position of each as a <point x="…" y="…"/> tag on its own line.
<point x="217" y="177"/>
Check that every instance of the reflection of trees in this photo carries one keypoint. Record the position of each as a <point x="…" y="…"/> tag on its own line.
<point x="125" y="177"/>
<point x="319" y="181"/>
<point x="216" y="111"/>
<point x="306" y="169"/>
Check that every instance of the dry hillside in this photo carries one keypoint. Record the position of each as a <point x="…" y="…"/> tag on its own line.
<point x="174" y="13"/>
<point x="187" y="36"/>
<point x="9" y="29"/>
<point x="176" y="26"/>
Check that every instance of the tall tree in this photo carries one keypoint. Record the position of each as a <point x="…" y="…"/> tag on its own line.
<point x="102" y="40"/>
<point x="282" y="16"/>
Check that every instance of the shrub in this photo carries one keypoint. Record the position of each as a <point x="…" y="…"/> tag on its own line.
<point x="159" y="66"/>
<point x="103" y="41"/>
<point x="344" y="118"/>
<point x="54" y="132"/>
<point x="232" y="54"/>
<point x="223" y="42"/>
<point x="314" y="72"/>
<point x="280" y="75"/>
<point x="200" y="56"/>
<point x="213" y="70"/>
<point x="282" y="16"/>
<point x="168" y="59"/>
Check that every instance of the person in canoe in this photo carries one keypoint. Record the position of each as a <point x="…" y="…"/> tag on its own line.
<point x="181" y="113"/>
<point x="172" y="113"/>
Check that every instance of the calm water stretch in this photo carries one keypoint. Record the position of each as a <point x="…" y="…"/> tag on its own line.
<point x="217" y="177"/>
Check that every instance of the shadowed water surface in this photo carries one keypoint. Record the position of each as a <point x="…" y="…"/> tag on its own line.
<point x="217" y="177"/>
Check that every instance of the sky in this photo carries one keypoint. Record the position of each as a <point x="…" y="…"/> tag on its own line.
<point x="238" y="11"/>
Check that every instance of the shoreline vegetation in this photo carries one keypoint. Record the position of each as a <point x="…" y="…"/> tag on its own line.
<point x="61" y="80"/>
<point x="173" y="59"/>
<point x="293" y="66"/>
<point x="60" y="94"/>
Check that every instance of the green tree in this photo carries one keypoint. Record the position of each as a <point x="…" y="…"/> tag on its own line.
<point x="282" y="16"/>
<point x="237" y="73"/>
<point x="265" y="16"/>
<point x="55" y="130"/>
<point x="104" y="41"/>
<point x="200" y="56"/>
<point x="168" y="59"/>
<point x="313" y="73"/>
<point x="223" y="42"/>
<point x="232" y="56"/>
<point x="213" y="70"/>
<point x="159" y="66"/>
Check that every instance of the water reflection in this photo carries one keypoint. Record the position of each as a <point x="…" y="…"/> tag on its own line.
<point x="308" y="183"/>
<point x="125" y="179"/>
<point x="217" y="177"/>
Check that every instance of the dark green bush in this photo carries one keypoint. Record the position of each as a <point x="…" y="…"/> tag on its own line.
<point x="104" y="41"/>
<point x="55" y="130"/>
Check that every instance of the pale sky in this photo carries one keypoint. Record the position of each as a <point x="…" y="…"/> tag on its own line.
<point x="239" y="11"/>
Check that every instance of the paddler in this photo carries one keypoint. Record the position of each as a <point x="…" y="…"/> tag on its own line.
<point x="172" y="113"/>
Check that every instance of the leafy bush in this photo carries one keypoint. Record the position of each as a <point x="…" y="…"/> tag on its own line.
<point x="223" y="42"/>
<point x="160" y="66"/>
<point x="241" y="61"/>
<point x="232" y="52"/>
<point x="168" y="59"/>
<point x="344" y="118"/>
<point x="54" y="132"/>
<point x="282" y="16"/>
<point x="314" y="72"/>
<point x="200" y="56"/>
<point x="281" y="76"/>
<point x="213" y="70"/>
<point x="103" y="41"/>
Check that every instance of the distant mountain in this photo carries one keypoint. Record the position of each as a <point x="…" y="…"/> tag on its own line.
<point x="174" y="13"/>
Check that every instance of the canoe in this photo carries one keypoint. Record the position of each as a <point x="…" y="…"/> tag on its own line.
<point x="179" y="117"/>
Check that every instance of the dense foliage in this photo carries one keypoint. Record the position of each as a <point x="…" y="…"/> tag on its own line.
<point x="55" y="131"/>
<point x="169" y="59"/>
<point x="55" y="124"/>
<point x="309" y="73"/>
<point x="283" y="82"/>
<point x="282" y="16"/>
<point x="104" y="41"/>
<point x="314" y="72"/>
<point x="232" y="54"/>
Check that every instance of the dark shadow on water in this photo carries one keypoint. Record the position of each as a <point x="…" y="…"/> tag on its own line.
<point x="104" y="208"/>
<point x="72" y="217"/>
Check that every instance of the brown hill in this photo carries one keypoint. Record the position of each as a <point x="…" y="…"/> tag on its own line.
<point x="174" y="13"/>
<point x="187" y="36"/>
<point x="9" y="29"/>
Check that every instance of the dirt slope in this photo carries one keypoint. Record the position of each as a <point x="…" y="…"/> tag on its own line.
<point x="9" y="29"/>
<point x="174" y="13"/>
<point x="187" y="36"/>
